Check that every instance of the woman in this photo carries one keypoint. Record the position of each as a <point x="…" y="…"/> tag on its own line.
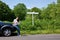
<point x="16" y="23"/>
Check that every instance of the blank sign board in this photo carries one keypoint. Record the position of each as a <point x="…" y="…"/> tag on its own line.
<point x="32" y="12"/>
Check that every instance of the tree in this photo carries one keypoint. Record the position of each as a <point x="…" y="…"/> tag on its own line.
<point x="28" y="10"/>
<point x="50" y="11"/>
<point x="35" y="9"/>
<point x="58" y="1"/>
<point x="58" y="10"/>
<point x="5" y="12"/>
<point x="20" y="11"/>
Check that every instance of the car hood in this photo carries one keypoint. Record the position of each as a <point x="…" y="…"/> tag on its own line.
<point x="3" y="23"/>
<point x="8" y="24"/>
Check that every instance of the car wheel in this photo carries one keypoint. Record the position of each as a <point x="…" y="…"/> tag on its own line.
<point x="7" y="32"/>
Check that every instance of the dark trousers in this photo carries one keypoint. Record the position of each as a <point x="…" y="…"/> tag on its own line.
<point x="18" y="29"/>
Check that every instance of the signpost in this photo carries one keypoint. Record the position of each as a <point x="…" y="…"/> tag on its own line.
<point x="32" y="16"/>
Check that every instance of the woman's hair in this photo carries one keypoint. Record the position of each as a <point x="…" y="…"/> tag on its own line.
<point x="18" y="19"/>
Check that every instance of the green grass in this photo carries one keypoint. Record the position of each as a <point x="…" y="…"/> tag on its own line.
<point x="57" y="31"/>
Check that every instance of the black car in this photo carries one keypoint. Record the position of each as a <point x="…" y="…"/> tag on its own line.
<point x="6" y="28"/>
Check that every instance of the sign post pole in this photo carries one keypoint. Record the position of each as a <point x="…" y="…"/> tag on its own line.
<point x="32" y="19"/>
<point x="32" y="16"/>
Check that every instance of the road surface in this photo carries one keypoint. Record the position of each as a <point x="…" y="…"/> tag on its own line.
<point x="33" y="37"/>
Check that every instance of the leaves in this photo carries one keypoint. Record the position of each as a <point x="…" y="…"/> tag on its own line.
<point x="5" y="12"/>
<point x="20" y="10"/>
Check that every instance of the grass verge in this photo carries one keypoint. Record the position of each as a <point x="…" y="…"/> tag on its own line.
<point x="57" y="31"/>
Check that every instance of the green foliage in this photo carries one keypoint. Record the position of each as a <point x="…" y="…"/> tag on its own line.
<point x="58" y="1"/>
<point x="49" y="20"/>
<point x="35" y="9"/>
<point x="49" y="12"/>
<point x="20" y="11"/>
<point x="5" y="12"/>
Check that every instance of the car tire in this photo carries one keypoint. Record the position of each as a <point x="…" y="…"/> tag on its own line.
<point x="7" y="32"/>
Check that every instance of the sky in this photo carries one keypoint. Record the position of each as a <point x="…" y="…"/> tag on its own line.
<point x="29" y="3"/>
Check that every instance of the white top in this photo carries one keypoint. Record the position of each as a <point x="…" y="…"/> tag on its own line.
<point x="15" y="22"/>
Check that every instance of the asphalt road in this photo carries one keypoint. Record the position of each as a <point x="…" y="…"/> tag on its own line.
<point x="33" y="37"/>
